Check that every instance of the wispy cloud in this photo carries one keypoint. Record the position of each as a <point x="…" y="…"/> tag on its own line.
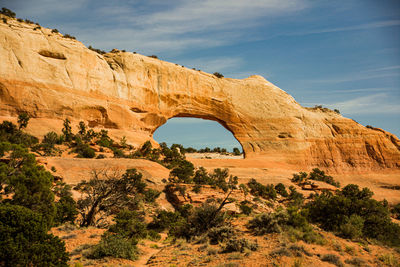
<point x="396" y="67"/>
<point x="381" y="103"/>
<point x="362" y="90"/>
<point x="351" y="78"/>
<point x="366" y="26"/>
<point x="156" y="26"/>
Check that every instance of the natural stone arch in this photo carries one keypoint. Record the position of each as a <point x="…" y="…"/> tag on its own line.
<point x="133" y="95"/>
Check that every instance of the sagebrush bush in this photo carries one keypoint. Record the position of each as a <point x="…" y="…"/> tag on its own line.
<point x="238" y="245"/>
<point x="266" y="223"/>
<point x="112" y="245"/>
<point x="332" y="258"/>
<point x="258" y="189"/>
<point x="220" y="234"/>
<point x="281" y="190"/>
<point x="129" y="224"/>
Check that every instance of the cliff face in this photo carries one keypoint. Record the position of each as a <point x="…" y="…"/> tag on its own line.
<point x="52" y="77"/>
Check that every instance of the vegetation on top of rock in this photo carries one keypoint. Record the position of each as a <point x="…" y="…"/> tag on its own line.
<point x="98" y="51"/>
<point x="69" y="36"/>
<point x="7" y="12"/>
<point x="218" y="75"/>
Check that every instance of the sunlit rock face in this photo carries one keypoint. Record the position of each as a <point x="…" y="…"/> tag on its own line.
<point x="52" y="78"/>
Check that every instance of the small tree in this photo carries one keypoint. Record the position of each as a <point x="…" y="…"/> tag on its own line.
<point x="66" y="206"/>
<point x="67" y="131"/>
<point x="23" y="120"/>
<point x="82" y="128"/>
<point x="107" y="193"/>
<point x="236" y="151"/>
<point x="24" y="183"/>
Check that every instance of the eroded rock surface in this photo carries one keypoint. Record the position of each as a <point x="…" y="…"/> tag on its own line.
<point x="52" y="78"/>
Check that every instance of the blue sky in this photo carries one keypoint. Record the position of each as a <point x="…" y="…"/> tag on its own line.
<point x="339" y="54"/>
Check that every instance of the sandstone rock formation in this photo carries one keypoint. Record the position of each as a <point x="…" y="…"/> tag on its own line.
<point x="52" y="77"/>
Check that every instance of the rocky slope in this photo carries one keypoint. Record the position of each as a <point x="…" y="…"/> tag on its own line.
<point x="52" y="77"/>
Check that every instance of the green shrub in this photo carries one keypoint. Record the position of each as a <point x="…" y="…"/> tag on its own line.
<point x="129" y="224"/>
<point x="183" y="172"/>
<point x="150" y="195"/>
<point x="316" y="175"/>
<point x="7" y="12"/>
<point x="266" y="223"/>
<point x="66" y="206"/>
<point x="353" y="227"/>
<point x="118" y="153"/>
<point x="245" y="208"/>
<point x="112" y="245"/>
<point x="236" y="151"/>
<point x="200" y="221"/>
<point x="23" y="182"/>
<point x="281" y="190"/>
<point x="24" y="240"/>
<point x="84" y="151"/>
<point x="220" y="234"/>
<point x="282" y="251"/>
<point x="48" y="144"/>
<point x="99" y="51"/>
<point x="319" y="175"/>
<point x="238" y="245"/>
<point x="257" y="189"/>
<point x="332" y="258"/>
<point x="396" y="211"/>
<point x="69" y="36"/>
<point x="165" y="220"/>
<point x="197" y="188"/>
<point x="218" y="75"/>
<point x="389" y="260"/>
<point x="358" y="262"/>
<point x="334" y="213"/>
<point x="10" y="133"/>
<point x="23" y="120"/>
<point x="299" y="178"/>
<point x="67" y="130"/>
<point x="295" y="198"/>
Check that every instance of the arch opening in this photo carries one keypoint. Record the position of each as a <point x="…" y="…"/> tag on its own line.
<point x="204" y="135"/>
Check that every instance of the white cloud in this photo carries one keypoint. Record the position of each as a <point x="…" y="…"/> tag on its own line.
<point x="48" y="7"/>
<point x="180" y="25"/>
<point x="366" y="26"/>
<point x="381" y="103"/>
<point x="353" y="77"/>
<point x="396" y="67"/>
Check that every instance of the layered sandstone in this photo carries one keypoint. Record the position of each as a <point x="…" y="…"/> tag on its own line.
<point x="52" y="78"/>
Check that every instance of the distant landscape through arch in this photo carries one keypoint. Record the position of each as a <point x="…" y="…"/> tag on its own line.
<point x="197" y="133"/>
